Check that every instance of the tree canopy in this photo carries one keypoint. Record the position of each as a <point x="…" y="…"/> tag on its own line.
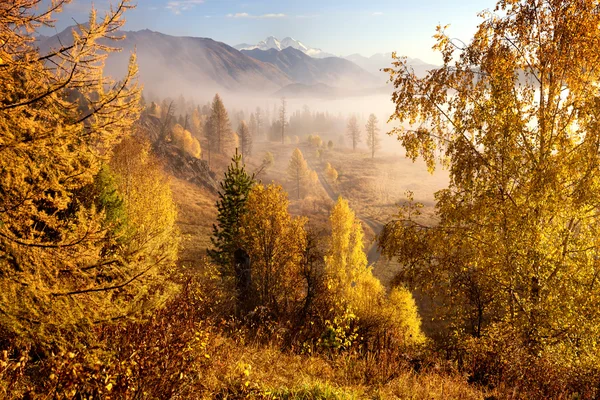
<point x="514" y="115"/>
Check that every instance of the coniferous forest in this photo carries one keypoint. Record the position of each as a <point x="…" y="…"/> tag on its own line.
<point x="249" y="237"/>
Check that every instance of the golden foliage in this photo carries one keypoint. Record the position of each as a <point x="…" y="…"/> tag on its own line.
<point x="331" y="173"/>
<point x="349" y="277"/>
<point x="63" y="262"/>
<point x="515" y="115"/>
<point x="298" y="170"/>
<point x="184" y="140"/>
<point x="275" y="242"/>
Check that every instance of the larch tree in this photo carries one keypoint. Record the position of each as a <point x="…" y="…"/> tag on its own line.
<point x="245" y="139"/>
<point x="183" y="139"/>
<point x="218" y="128"/>
<point x="331" y="173"/>
<point x="283" y="118"/>
<point x="372" y="134"/>
<point x="350" y="279"/>
<point x="515" y="116"/>
<point x="62" y="262"/>
<point x="297" y="170"/>
<point x="275" y="243"/>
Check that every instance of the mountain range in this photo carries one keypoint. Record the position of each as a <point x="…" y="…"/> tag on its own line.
<point x="172" y="65"/>
<point x="273" y="43"/>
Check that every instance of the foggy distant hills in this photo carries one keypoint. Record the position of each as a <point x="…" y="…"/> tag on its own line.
<point x="378" y="61"/>
<point x="172" y="65"/>
<point x="301" y="68"/>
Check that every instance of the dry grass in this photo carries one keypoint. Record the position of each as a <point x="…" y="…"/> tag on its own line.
<point x="196" y="214"/>
<point x="243" y="370"/>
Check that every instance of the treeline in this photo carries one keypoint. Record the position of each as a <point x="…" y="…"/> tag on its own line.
<point x="217" y="130"/>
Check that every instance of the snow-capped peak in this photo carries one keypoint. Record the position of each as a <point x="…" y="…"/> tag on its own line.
<point x="273" y="43"/>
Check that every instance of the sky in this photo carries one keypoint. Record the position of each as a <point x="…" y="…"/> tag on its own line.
<point x="341" y="27"/>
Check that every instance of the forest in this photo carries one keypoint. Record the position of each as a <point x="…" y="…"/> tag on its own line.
<point x="170" y="247"/>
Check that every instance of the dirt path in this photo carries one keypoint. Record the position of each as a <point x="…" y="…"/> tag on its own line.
<point x="373" y="253"/>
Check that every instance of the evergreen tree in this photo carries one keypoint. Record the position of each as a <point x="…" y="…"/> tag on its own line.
<point x="231" y="205"/>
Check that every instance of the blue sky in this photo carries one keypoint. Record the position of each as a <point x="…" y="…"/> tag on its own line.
<point x="341" y="27"/>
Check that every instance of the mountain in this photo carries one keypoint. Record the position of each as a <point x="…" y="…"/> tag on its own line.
<point x="379" y="61"/>
<point x="306" y="70"/>
<point x="173" y="65"/>
<point x="273" y="43"/>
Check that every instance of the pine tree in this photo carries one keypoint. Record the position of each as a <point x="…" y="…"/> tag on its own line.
<point x="231" y="205"/>
<point x="372" y="134"/>
<point x="298" y="170"/>
<point x="353" y="131"/>
<point x="245" y="139"/>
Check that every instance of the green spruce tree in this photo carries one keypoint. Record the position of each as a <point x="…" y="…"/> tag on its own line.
<point x="231" y="205"/>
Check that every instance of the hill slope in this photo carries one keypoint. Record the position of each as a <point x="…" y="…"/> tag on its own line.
<point x="174" y="65"/>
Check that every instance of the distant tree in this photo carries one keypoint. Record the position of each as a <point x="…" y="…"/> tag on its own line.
<point x="330" y="145"/>
<point x="245" y="139"/>
<point x="275" y="243"/>
<point x="313" y="178"/>
<point x="283" y="118"/>
<point x="372" y="134"/>
<point x="353" y="131"/>
<point x="331" y="173"/>
<point x="298" y="170"/>
<point x="315" y="140"/>
<point x="218" y="128"/>
<point x="230" y="206"/>
<point x="260" y="122"/>
<point x="196" y="123"/>
<point x="253" y="126"/>
<point x="184" y="140"/>
<point x="268" y="160"/>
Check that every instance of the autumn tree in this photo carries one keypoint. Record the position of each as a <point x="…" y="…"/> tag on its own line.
<point x="283" y="118"/>
<point x="218" y="129"/>
<point x="70" y="254"/>
<point x="331" y="173"/>
<point x="268" y="160"/>
<point x="245" y="139"/>
<point x="515" y="116"/>
<point x="353" y="131"/>
<point x="275" y="243"/>
<point x="297" y="170"/>
<point x="346" y="264"/>
<point x="183" y="139"/>
<point x="372" y="134"/>
<point x="231" y="206"/>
